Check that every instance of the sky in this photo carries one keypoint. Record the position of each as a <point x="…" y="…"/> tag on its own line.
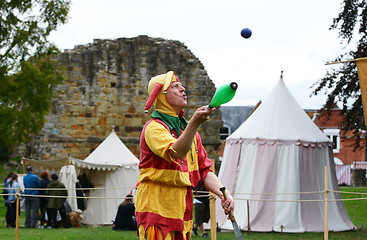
<point x="287" y="35"/>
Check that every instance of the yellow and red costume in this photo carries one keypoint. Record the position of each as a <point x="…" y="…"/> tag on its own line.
<point x="164" y="199"/>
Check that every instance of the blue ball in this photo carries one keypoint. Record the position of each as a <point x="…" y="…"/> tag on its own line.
<point x="246" y="33"/>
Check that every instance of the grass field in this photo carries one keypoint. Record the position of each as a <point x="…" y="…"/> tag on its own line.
<point x="356" y="209"/>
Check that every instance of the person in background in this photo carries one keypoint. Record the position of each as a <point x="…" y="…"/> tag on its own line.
<point x="32" y="204"/>
<point x="125" y="217"/>
<point x="85" y="183"/>
<point x="14" y="186"/>
<point x="82" y="186"/>
<point x="202" y="210"/>
<point x="54" y="204"/>
<point x="133" y="191"/>
<point x="43" y="200"/>
<point x="80" y="193"/>
<point x="6" y="197"/>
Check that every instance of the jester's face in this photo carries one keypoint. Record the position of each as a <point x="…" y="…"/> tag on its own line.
<point x="167" y="94"/>
<point x="176" y="96"/>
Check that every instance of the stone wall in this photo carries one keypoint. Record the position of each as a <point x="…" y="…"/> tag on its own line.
<point x="106" y="86"/>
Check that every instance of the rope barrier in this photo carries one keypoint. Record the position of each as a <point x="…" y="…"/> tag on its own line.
<point x="28" y="195"/>
<point x="289" y="200"/>
<point x="62" y="189"/>
<point x="196" y="196"/>
<point x="349" y="192"/>
<point x="106" y="188"/>
<point x="280" y="193"/>
<point x="304" y="200"/>
<point x="53" y="196"/>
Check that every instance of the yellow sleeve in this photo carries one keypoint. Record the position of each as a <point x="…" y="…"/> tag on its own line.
<point x="159" y="140"/>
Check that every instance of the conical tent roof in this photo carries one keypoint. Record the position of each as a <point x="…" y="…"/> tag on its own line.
<point x="279" y="117"/>
<point x="110" y="154"/>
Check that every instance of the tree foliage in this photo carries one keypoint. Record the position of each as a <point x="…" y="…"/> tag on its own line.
<point x="342" y="84"/>
<point x="28" y="73"/>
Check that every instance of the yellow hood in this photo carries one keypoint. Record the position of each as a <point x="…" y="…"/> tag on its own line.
<point x="157" y="88"/>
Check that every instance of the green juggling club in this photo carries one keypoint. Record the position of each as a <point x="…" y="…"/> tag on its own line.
<point x="224" y="94"/>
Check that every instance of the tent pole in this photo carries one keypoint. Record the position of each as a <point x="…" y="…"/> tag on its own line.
<point x="23" y="165"/>
<point x="248" y="217"/>
<point x="17" y="216"/>
<point x="213" y="217"/>
<point x="326" y="211"/>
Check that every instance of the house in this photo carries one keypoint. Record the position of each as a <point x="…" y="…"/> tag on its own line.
<point x="233" y="117"/>
<point x="343" y="141"/>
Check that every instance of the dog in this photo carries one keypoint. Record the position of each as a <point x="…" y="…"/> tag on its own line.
<point x="75" y="218"/>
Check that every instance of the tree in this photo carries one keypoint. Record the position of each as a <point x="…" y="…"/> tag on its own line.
<point x="28" y="72"/>
<point x="342" y="84"/>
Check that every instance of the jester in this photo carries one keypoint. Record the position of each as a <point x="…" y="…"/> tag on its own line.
<point x="172" y="161"/>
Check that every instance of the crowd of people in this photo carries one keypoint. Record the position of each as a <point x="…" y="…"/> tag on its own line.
<point x="45" y="209"/>
<point x="36" y="201"/>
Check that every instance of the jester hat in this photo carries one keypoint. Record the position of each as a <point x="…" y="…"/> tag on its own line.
<point x="157" y="89"/>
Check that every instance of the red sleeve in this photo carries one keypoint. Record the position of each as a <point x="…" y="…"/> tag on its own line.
<point x="203" y="161"/>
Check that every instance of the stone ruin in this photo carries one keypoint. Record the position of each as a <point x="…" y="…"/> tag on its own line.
<point x="106" y="86"/>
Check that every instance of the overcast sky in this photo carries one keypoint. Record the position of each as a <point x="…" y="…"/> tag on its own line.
<point x="287" y="35"/>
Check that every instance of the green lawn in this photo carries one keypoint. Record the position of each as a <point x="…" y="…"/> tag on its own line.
<point x="357" y="211"/>
<point x="107" y="233"/>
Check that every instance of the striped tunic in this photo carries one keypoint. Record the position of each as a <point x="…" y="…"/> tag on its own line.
<point x="164" y="198"/>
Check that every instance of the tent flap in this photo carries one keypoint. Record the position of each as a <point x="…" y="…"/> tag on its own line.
<point x="83" y="164"/>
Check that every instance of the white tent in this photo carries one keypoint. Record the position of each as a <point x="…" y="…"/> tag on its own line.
<point x="278" y="153"/>
<point x="114" y="171"/>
